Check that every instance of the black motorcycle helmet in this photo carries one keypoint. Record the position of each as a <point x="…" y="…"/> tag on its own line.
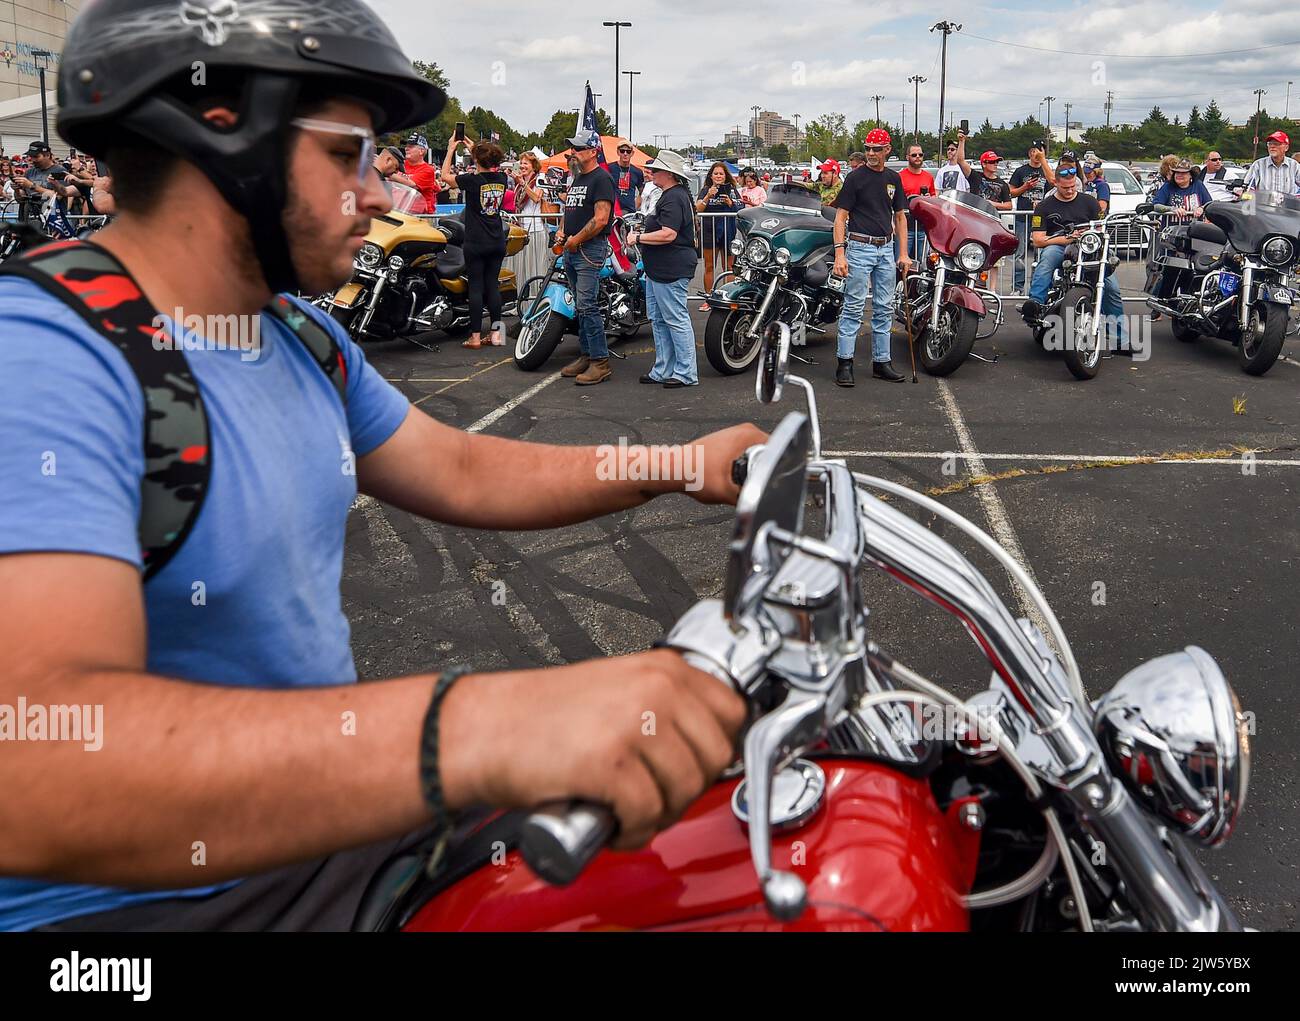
<point x="126" y="64"/>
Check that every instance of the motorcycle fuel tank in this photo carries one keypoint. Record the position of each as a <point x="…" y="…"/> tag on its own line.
<point x="877" y="855"/>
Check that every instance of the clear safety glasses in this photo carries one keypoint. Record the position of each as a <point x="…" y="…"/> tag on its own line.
<point x="365" y="158"/>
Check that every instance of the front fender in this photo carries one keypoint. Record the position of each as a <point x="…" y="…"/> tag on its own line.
<point x="561" y="300"/>
<point x="735" y="294"/>
<point x="960" y="294"/>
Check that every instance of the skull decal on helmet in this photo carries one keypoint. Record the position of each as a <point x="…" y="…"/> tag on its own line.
<point x="210" y="17"/>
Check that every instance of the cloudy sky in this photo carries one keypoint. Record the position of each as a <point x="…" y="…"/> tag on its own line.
<point x="704" y="65"/>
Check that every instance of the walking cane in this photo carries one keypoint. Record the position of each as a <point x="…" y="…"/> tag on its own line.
<point x="907" y="318"/>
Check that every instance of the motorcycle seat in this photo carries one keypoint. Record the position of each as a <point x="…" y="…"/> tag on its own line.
<point x="817" y="274"/>
<point x="451" y="263"/>
<point x="454" y="228"/>
<point x="1207" y="232"/>
<point x="628" y="278"/>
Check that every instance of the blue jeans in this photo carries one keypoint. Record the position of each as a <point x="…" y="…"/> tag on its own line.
<point x="673" y="332"/>
<point x="582" y="268"/>
<point x="915" y="248"/>
<point x="871" y="267"/>
<point x="1022" y="250"/>
<point x="1049" y="259"/>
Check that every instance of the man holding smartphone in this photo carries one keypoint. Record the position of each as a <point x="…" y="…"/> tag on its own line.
<point x="1028" y="186"/>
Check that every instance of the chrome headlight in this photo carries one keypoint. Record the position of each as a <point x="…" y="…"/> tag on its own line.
<point x="1173" y="731"/>
<point x="396" y="263"/>
<point x="370" y="256"/>
<point x="782" y="256"/>
<point x="737" y="245"/>
<point x="1278" y="251"/>
<point x="971" y="257"/>
<point x="1090" y="244"/>
<point x="758" y="251"/>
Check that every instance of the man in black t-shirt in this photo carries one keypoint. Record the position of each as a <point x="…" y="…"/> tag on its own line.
<point x="868" y="211"/>
<point x="1028" y="186"/>
<point x="988" y="185"/>
<point x="1050" y="224"/>
<point x="588" y="210"/>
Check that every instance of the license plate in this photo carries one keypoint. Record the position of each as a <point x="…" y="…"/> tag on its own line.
<point x="835" y="283"/>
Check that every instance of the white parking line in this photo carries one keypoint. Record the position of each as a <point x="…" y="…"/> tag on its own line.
<point x="511" y="404"/>
<point x="996" y="513"/>
<point x="943" y="455"/>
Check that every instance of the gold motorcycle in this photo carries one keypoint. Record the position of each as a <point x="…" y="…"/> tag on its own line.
<point x="409" y="278"/>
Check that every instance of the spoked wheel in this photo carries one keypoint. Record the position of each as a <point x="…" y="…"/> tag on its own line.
<point x="1261" y="342"/>
<point x="947" y="344"/>
<point x="1082" y="350"/>
<point x="537" y="339"/>
<point x="727" y="343"/>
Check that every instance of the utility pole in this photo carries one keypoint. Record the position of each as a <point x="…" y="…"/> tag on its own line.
<point x="796" y="132"/>
<point x="877" y="99"/>
<point x="916" y="81"/>
<point x="629" y="104"/>
<point x="1048" y="101"/>
<point x="1110" y="96"/>
<point x="1286" y="112"/>
<point x="754" y="130"/>
<point x="1258" y="94"/>
<point x="947" y="28"/>
<point x="1067" y="124"/>
<point x="616" y="26"/>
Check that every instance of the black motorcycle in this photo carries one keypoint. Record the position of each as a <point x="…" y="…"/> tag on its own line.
<point x="1230" y="277"/>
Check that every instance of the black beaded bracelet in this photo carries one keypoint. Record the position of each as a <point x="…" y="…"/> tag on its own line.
<point x="430" y="776"/>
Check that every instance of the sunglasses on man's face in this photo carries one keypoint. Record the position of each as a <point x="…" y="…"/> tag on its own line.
<point x="1067" y="172"/>
<point x="875" y="148"/>
<point x="625" y="152"/>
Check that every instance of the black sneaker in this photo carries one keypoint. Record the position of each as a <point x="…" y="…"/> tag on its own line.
<point x="647" y="378"/>
<point x="672" y="383"/>
<point x="844" y="373"/>
<point x="885" y="370"/>
<point x="1031" y="311"/>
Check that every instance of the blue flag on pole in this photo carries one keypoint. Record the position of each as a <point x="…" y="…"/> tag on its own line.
<point x="587" y="121"/>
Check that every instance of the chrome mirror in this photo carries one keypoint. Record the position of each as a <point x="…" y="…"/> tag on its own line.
<point x="1173" y="730"/>
<point x="772" y="496"/>
<point x="773" y="363"/>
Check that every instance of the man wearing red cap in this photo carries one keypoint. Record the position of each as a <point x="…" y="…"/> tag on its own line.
<point x="829" y="184"/>
<point x="868" y="214"/>
<point x="988" y="185"/>
<point x="1277" y="171"/>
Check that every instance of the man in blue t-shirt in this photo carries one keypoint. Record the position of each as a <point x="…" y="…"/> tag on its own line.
<point x="230" y="773"/>
<point x="628" y="180"/>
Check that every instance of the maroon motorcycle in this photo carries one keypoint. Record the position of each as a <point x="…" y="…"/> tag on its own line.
<point x="945" y="303"/>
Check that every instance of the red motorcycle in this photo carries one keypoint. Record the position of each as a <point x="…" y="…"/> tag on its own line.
<point x="868" y="797"/>
<point x="943" y="304"/>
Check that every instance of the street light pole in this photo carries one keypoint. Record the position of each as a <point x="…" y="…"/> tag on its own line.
<point x="796" y="132"/>
<point x="947" y="28"/>
<point x="42" y="58"/>
<point x="1255" y="150"/>
<point x="1286" y="112"/>
<point x="916" y="81"/>
<point x="616" y="26"/>
<point x="753" y="133"/>
<point x="629" y="104"/>
<point x="1067" y="124"/>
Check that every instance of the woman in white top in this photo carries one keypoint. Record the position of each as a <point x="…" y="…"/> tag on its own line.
<point x="528" y="194"/>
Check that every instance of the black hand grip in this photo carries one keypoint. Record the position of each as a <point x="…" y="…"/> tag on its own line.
<point x="740" y="469"/>
<point x="560" y="838"/>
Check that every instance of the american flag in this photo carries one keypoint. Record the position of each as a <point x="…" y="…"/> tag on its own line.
<point x="496" y="137"/>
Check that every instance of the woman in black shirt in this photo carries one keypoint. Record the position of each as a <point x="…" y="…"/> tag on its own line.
<point x="718" y="195"/>
<point x="485" y="235"/>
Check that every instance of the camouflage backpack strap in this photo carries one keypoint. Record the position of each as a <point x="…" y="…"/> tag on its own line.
<point x="177" y="450"/>
<point x="316" y="339"/>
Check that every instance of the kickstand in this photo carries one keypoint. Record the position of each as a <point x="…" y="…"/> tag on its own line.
<point x="802" y="360"/>
<point x="985" y="358"/>
<point x="615" y="354"/>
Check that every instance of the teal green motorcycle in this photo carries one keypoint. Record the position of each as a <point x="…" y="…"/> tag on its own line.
<point x="784" y="255"/>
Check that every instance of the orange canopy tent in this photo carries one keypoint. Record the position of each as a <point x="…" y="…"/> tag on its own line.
<point x="610" y="144"/>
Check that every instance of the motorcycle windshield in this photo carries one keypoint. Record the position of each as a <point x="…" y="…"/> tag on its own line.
<point x="1256" y="218"/>
<point x="405" y="200"/>
<point x="795" y="197"/>
<point x="971" y="201"/>
<point x="953" y="218"/>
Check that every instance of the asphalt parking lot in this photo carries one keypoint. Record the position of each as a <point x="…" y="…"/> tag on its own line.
<point x="1196" y="546"/>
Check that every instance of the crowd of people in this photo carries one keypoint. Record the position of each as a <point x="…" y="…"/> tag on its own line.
<point x="30" y="179"/>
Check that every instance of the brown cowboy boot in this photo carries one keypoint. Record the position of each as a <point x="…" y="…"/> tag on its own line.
<point x="597" y="372"/>
<point x="575" y="367"/>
